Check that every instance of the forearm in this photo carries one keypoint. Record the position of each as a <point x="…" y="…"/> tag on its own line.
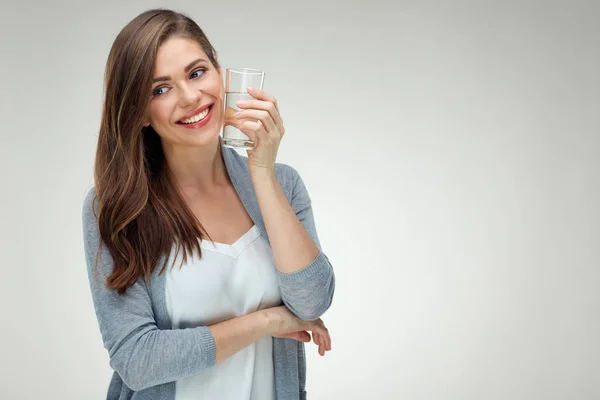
<point x="235" y="334"/>
<point x="292" y="247"/>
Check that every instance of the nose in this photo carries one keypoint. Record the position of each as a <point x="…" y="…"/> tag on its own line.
<point x="189" y="95"/>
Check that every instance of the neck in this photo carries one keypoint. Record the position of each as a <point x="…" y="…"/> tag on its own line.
<point x="197" y="169"/>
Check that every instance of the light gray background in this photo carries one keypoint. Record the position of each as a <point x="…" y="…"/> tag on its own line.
<point x="451" y="151"/>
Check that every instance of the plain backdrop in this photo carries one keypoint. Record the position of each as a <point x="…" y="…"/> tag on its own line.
<point x="451" y="152"/>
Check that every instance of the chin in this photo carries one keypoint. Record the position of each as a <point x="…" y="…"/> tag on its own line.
<point x="204" y="137"/>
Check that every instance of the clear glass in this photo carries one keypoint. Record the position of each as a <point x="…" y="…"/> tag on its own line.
<point x="237" y="81"/>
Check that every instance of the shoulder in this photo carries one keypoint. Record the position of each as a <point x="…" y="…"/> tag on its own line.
<point x="287" y="175"/>
<point x="292" y="184"/>
<point x="89" y="209"/>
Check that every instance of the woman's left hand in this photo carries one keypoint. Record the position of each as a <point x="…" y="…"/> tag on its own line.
<point x="262" y="123"/>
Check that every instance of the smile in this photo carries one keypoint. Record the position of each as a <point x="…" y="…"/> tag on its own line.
<point x="197" y="120"/>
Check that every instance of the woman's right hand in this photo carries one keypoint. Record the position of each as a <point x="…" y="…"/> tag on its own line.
<point x="289" y="326"/>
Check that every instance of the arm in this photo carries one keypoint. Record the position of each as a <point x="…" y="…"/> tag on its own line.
<point x="144" y="355"/>
<point x="305" y="275"/>
<point x="233" y="335"/>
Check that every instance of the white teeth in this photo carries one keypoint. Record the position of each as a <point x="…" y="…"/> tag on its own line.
<point x="196" y="118"/>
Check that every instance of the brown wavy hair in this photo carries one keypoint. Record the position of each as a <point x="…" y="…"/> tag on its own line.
<point x="140" y="213"/>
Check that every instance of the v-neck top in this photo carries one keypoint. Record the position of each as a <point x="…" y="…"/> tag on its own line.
<point x="227" y="281"/>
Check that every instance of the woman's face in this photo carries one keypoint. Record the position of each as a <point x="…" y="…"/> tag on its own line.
<point x="185" y="84"/>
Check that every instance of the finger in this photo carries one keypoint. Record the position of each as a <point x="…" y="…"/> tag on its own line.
<point x="323" y="333"/>
<point x="317" y="339"/>
<point x="322" y="348"/>
<point x="301" y="336"/>
<point x="327" y="338"/>
<point x="324" y="341"/>
<point x="319" y="342"/>
<point x="258" y="115"/>
<point x="254" y="130"/>
<point x="268" y="106"/>
<point x="262" y="95"/>
<point x="328" y="341"/>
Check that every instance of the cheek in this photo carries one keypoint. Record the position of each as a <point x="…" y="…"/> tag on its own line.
<point x="214" y="87"/>
<point x="159" y="112"/>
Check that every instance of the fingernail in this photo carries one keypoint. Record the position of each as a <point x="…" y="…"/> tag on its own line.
<point x="251" y="88"/>
<point x="241" y="103"/>
<point x="237" y="114"/>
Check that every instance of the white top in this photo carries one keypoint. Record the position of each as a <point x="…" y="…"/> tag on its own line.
<point x="228" y="281"/>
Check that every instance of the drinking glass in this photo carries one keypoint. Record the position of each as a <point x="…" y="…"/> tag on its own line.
<point x="237" y="81"/>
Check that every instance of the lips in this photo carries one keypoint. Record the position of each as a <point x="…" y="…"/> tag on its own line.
<point x="194" y="113"/>
<point x="199" y="124"/>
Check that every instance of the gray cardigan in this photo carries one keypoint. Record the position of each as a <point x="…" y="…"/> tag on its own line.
<point x="148" y="356"/>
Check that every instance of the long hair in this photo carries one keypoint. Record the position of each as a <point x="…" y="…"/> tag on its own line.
<point x="140" y="212"/>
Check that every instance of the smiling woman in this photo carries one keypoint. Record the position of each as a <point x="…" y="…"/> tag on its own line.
<point x="252" y="282"/>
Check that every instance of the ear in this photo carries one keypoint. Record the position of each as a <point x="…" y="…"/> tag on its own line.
<point x="146" y="121"/>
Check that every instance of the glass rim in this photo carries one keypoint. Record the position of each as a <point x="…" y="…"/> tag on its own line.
<point x="246" y="71"/>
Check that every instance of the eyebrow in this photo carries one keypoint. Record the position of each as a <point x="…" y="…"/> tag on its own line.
<point x="186" y="69"/>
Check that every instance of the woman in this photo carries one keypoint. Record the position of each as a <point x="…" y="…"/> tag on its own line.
<point x="241" y="229"/>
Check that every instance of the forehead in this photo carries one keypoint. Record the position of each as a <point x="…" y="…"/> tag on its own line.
<point x="175" y="53"/>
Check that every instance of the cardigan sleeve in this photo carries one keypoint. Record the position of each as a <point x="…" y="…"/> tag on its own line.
<point x="140" y="353"/>
<point x="307" y="293"/>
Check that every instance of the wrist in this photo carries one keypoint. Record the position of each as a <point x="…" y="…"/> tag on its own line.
<point x="273" y="320"/>
<point x="263" y="173"/>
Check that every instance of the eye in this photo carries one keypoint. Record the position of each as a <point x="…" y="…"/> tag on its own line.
<point x="197" y="73"/>
<point x="157" y="91"/>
